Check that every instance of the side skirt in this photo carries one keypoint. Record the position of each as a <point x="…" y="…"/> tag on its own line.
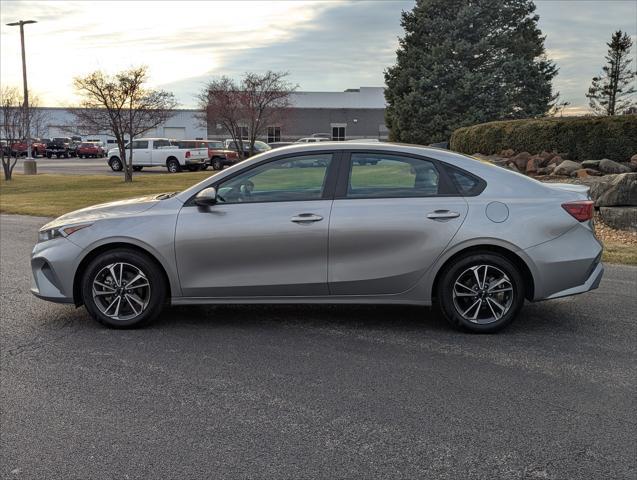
<point x="341" y="299"/>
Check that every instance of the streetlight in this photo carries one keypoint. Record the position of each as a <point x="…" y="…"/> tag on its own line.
<point x="29" y="162"/>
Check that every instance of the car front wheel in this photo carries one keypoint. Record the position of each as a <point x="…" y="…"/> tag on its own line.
<point x="116" y="164"/>
<point x="481" y="292"/>
<point x="123" y="288"/>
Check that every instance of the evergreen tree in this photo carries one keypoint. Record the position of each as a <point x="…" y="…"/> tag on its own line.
<point x="612" y="92"/>
<point x="463" y="62"/>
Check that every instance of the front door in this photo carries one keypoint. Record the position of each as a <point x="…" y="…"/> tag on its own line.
<point x="266" y="236"/>
<point x="391" y="219"/>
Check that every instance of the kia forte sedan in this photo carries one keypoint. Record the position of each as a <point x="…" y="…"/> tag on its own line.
<point x="329" y="223"/>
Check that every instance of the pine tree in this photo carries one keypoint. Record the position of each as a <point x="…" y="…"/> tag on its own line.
<point x="612" y="92"/>
<point x="463" y="62"/>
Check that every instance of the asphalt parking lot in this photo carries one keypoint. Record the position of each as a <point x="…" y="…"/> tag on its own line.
<point x="82" y="166"/>
<point x="315" y="392"/>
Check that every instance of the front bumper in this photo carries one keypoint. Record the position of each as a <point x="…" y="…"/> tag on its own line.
<point x="53" y="265"/>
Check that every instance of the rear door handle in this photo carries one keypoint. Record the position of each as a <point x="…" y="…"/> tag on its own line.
<point x="442" y="215"/>
<point x="306" y="218"/>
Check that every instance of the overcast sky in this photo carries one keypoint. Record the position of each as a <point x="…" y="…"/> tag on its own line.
<point x="325" y="45"/>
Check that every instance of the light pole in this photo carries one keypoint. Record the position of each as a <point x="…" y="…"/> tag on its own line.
<point x="29" y="162"/>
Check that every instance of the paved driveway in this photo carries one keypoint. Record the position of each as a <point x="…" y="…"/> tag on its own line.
<point x="315" y="392"/>
<point x="82" y="166"/>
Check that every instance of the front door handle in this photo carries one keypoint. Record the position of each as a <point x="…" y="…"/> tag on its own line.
<point x="306" y="218"/>
<point x="442" y="215"/>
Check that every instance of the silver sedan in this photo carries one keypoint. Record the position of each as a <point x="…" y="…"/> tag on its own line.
<point x="366" y="223"/>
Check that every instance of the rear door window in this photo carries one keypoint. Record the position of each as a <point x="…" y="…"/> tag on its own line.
<point x="377" y="175"/>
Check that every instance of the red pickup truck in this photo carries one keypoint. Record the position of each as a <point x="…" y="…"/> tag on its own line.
<point x="86" y="150"/>
<point x="19" y="149"/>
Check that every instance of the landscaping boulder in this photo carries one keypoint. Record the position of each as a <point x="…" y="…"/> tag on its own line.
<point x="591" y="164"/>
<point x="585" y="173"/>
<point x="621" y="218"/>
<point x="533" y="164"/>
<point x="546" y="170"/>
<point x="554" y="160"/>
<point x="634" y="158"/>
<point x="520" y="160"/>
<point x="608" y="167"/>
<point x="566" y="167"/>
<point x="508" y="153"/>
<point x="620" y="190"/>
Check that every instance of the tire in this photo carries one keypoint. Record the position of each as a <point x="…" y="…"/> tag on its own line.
<point x="462" y="295"/>
<point x="137" y="169"/>
<point x="204" y="167"/>
<point x="173" y="165"/>
<point x="217" y="164"/>
<point x="125" y="307"/>
<point x="116" y="164"/>
<point x="66" y="155"/>
<point x="48" y="155"/>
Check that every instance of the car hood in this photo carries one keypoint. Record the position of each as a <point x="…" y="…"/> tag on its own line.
<point x="106" y="210"/>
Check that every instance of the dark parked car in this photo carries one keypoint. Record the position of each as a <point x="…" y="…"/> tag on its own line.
<point x="59" y="147"/>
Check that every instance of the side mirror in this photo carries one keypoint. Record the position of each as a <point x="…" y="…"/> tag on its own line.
<point x="206" y="197"/>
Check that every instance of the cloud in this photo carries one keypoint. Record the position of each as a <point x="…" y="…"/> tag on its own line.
<point x="324" y="45"/>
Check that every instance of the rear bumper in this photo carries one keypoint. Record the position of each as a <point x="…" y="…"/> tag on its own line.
<point x="196" y="161"/>
<point x="590" y="284"/>
<point x="567" y="265"/>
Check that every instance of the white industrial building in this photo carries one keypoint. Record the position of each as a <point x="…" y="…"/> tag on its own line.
<point x="354" y="113"/>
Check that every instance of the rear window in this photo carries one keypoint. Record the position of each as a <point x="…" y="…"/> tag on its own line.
<point x="466" y="183"/>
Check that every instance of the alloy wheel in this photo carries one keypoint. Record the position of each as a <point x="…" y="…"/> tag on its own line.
<point x="483" y="294"/>
<point x="121" y="291"/>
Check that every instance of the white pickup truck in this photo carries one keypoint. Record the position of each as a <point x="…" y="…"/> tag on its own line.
<point x="159" y="152"/>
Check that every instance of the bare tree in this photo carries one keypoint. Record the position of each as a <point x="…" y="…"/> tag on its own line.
<point x="255" y="103"/>
<point x="613" y="91"/>
<point x="122" y="106"/>
<point x="12" y="122"/>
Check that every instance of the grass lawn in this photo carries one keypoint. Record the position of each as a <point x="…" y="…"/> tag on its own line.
<point x="53" y="195"/>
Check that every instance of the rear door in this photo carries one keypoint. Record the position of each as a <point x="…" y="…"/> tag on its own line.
<point x="157" y="154"/>
<point x="393" y="215"/>
<point x="141" y="152"/>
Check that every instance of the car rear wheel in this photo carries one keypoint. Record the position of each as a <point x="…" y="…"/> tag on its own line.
<point x="217" y="164"/>
<point x="123" y="289"/>
<point x="138" y="169"/>
<point x="116" y="164"/>
<point x="481" y="292"/>
<point x="173" y="165"/>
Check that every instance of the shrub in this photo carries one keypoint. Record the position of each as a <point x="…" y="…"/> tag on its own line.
<point x="578" y="138"/>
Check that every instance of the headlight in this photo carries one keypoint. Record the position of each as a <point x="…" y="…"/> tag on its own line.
<point x="51" y="233"/>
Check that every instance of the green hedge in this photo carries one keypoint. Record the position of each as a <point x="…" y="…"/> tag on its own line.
<point x="579" y="138"/>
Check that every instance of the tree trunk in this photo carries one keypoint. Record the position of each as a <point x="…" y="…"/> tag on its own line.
<point x="7" y="167"/>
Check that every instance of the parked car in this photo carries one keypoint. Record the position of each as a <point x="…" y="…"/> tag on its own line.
<point x="88" y="149"/>
<point x="58" y="147"/>
<point x="308" y="224"/>
<point x="159" y="152"/>
<point x="20" y="148"/>
<point x="219" y="156"/>
<point x="259" y="147"/>
<point x="312" y="140"/>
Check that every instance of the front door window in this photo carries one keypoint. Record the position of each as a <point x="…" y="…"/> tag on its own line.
<point x="288" y="179"/>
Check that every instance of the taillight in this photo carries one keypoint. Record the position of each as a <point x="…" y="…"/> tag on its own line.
<point x="187" y="154"/>
<point x="581" y="210"/>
